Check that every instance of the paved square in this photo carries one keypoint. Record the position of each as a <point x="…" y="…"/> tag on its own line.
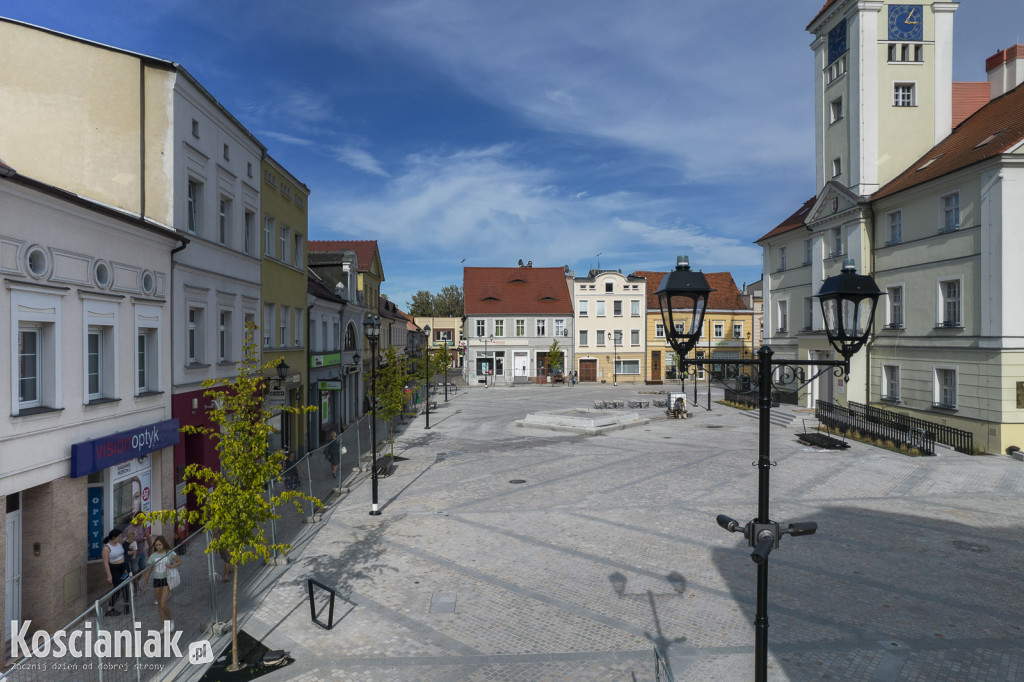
<point x="611" y="544"/>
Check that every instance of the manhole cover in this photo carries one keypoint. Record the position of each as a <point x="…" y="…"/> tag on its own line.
<point x="517" y="480"/>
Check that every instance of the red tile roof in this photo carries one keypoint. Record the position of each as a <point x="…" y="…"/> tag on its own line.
<point x="968" y="98"/>
<point x="992" y="130"/>
<point x="824" y="9"/>
<point x="798" y="219"/>
<point x="364" y="248"/>
<point x="522" y="290"/>
<point x="726" y="295"/>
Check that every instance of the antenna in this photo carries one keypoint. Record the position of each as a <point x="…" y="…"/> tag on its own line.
<point x="598" y="257"/>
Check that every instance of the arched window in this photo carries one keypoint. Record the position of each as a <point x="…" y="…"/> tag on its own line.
<point x="350" y="338"/>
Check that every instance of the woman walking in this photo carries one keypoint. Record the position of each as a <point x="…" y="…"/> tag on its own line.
<point x="160" y="561"/>
<point x="116" y="567"/>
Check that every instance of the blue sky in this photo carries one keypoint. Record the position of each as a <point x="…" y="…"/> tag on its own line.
<point x="477" y="132"/>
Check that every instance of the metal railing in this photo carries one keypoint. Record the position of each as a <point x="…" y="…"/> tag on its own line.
<point x="958" y="439"/>
<point x="838" y="417"/>
<point x="203" y="598"/>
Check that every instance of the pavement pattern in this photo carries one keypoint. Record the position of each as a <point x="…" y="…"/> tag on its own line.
<point x="609" y="545"/>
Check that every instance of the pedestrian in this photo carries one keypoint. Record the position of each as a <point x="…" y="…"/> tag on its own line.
<point x="142" y="534"/>
<point x="180" y="537"/>
<point x="161" y="561"/>
<point x="116" y="567"/>
<point x="291" y="471"/>
<point x="333" y="456"/>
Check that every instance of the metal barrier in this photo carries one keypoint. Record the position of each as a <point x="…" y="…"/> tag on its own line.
<point x="661" y="668"/>
<point x="203" y="598"/>
<point x="836" y="416"/>
<point x="958" y="439"/>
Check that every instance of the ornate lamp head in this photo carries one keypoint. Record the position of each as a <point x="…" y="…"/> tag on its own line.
<point x="848" y="303"/>
<point x="683" y="295"/>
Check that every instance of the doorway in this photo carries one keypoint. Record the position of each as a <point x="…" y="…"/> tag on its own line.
<point x="656" y="365"/>
<point x="588" y="370"/>
<point x="12" y="581"/>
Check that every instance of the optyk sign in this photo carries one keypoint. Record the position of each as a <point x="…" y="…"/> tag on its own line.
<point x="96" y="455"/>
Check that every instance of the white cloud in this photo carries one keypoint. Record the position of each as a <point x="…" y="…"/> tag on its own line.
<point x="359" y="159"/>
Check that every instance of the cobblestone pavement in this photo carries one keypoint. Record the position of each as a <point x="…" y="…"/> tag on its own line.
<point x="610" y="544"/>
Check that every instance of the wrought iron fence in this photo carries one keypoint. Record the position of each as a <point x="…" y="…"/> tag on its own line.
<point x="958" y="439"/>
<point x="201" y="600"/>
<point x="838" y="417"/>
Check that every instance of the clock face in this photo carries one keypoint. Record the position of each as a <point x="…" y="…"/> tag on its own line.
<point x="837" y="41"/>
<point x="905" y="22"/>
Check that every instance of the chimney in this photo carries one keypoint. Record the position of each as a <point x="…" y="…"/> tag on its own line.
<point x="1005" y="70"/>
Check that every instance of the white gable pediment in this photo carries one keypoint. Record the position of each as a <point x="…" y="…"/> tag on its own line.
<point x="834" y="200"/>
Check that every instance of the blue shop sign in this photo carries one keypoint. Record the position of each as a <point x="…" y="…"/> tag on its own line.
<point x="95" y="522"/>
<point x="102" y="453"/>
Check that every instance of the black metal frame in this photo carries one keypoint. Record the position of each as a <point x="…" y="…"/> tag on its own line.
<point x="373" y="339"/>
<point x="312" y="604"/>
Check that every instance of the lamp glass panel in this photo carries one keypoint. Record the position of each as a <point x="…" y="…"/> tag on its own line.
<point x="698" y="315"/>
<point x="830" y="313"/>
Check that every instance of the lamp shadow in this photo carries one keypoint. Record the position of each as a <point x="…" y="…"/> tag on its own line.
<point x="658" y="638"/>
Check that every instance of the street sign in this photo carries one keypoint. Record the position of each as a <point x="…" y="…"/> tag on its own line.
<point x="328" y="385"/>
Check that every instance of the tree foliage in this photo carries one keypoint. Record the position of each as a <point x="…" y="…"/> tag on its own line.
<point x="556" y="356"/>
<point x="393" y="379"/>
<point x="449" y="302"/>
<point x="231" y="502"/>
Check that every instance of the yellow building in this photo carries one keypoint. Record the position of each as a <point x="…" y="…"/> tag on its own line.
<point x="284" y="206"/>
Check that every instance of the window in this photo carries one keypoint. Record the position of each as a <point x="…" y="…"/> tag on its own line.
<point x="268" y="235"/>
<point x="905" y="52"/>
<point x="837" y="167"/>
<point x="227" y="152"/>
<point x="499" y="327"/>
<point x="808" y="251"/>
<point x="224" y="221"/>
<point x="443" y="335"/>
<point x="324" y="338"/>
<point x="891" y="382"/>
<point x="297" y="328"/>
<point x="223" y="336"/>
<point x="600" y="337"/>
<point x="903" y="95"/>
<point x="719" y="330"/>
<point x="29" y="366"/>
<point x="617" y="337"/>
<point x="737" y="330"/>
<point x="145" y="359"/>
<point x="659" y="330"/>
<point x="297" y="251"/>
<point x="542" y="327"/>
<point x="583" y="306"/>
<point x="949" y="303"/>
<point x="836" y="109"/>
<point x="195" y="128"/>
<point x="809" y="314"/>
<point x="481" y="327"/>
<point x="627" y="366"/>
<point x="350" y="337"/>
<point x="634" y="337"/>
<point x="560" y="329"/>
<point x="950" y="212"/>
<point x="193" y="206"/>
<point x="600" y="308"/>
<point x="282" y="322"/>
<point x="783" y="315"/>
<point x="944" y="391"/>
<point x="634" y="308"/>
<point x="782" y="258"/>
<point x="520" y="327"/>
<point x="617" y="308"/>
<point x="837" y="243"/>
<point x="583" y="337"/>
<point x="609" y="287"/>
<point x="285" y="232"/>
<point x="268" y="325"/>
<point x="895" y="309"/>
<point x="99" y="363"/>
<point x="893" y="228"/>
<point x="195" y="336"/>
<point x="250" y="221"/>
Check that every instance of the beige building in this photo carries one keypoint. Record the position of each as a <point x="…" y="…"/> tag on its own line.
<point x="611" y="329"/>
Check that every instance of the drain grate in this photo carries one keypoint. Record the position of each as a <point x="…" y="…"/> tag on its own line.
<point x="516" y="481"/>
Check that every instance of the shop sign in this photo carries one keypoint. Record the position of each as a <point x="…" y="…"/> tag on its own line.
<point x="324" y="359"/>
<point x="96" y="455"/>
<point x="328" y="385"/>
<point x="95" y="522"/>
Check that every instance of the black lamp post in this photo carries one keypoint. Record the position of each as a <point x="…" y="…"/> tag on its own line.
<point x="616" y="337"/>
<point x="282" y="374"/>
<point x="426" y="372"/>
<point x="447" y="361"/>
<point x="848" y="302"/>
<point x="371" y="328"/>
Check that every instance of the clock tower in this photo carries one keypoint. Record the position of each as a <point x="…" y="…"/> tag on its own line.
<point x="883" y="88"/>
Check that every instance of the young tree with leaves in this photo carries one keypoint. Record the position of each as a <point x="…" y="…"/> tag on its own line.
<point x="556" y="356"/>
<point x="393" y="379"/>
<point x="231" y="502"/>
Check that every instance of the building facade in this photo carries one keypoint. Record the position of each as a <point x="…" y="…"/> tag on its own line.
<point x="611" y="330"/>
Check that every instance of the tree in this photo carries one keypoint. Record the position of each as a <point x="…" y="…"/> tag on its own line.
<point x="450" y="301"/>
<point x="422" y="304"/>
<point x="556" y="356"/>
<point x="442" y="360"/>
<point x="392" y="397"/>
<point x="232" y="502"/>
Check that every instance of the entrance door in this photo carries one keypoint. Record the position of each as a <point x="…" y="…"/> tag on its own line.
<point x="822" y="387"/>
<point x="520" y="362"/>
<point x="656" y="365"/>
<point x="12" y="583"/>
<point x="588" y="370"/>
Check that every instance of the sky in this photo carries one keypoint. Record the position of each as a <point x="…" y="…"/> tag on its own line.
<point x="589" y="133"/>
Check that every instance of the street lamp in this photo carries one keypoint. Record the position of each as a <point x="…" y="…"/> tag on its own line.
<point x="426" y="372"/>
<point x="446" y="363"/>
<point x="371" y="328"/>
<point x="616" y="340"/>
<point x="848" y="302"/>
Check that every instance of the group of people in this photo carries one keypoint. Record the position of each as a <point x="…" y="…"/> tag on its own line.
<point x="133" y="554"/>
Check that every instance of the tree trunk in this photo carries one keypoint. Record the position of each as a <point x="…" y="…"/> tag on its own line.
<point x="234" y="622"/>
